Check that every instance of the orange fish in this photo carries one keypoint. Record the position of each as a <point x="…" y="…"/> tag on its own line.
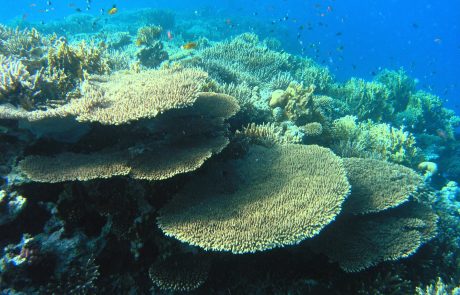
<point x="113" y="10"/>
<point x="189" y="45"/>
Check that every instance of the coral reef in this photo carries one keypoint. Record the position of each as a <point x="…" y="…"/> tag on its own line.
<point x="120" y="151"/>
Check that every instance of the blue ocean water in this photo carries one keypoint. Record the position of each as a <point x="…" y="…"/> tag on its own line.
<point x="352" y="38"/>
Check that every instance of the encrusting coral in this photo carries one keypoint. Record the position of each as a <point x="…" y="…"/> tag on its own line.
<point x="271" y="198"/>
<point x="378" y="185"/>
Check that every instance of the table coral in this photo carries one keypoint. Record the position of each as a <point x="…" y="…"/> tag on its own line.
<point x="271" y="198"/>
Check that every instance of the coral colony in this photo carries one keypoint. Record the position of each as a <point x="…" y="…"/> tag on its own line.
<point x="131" y="163"/>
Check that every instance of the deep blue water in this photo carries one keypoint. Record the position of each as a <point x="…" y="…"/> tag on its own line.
<point x="353" y="38"/>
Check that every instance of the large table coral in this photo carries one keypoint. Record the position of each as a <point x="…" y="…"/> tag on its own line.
<point x="273" y="197"/>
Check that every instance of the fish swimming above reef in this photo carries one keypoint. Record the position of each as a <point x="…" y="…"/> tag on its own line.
<point x="189" y="45"/>
<point x="113" y="10"/>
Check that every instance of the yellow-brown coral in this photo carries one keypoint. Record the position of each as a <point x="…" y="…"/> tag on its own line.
<point x="273" y="197"/>
<point x="180" y="272"/>
<point x="378" y="185"/>
<point x="360" y="242"/>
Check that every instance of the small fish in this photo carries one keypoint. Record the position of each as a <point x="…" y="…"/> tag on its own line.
<point x="77" y="9"/>
<point x="33" y="5"/>
<point x="189" y="45"/>
<point x="441" y="133"/>
<point x="48" y="3"/>
<point x="437" y="40"/>
<point x="170" y="35"/>
<point x="113" y="10"/>
<point x="338" y="34"/>
<point x="139" y="42"/>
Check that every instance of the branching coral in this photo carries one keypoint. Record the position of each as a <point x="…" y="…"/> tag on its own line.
<point x="148" y="35"/>
<point x="370" y="140"/>
<point x="366" y="100"/>
<point x="264" y="134"/>
<point x="425" y="114"/>
<point x="310" y="73"/>
<point x="273" y="197"/>
<point x="26" y="43"/>
<point x="400" y="87"/>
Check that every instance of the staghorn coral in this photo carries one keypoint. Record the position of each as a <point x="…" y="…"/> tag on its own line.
<point x="273" y="197"/>
<point x="147" y="162"/>
<point x="359" y="242"/>
<point x="281" y="81"/>
<point x="180" y="272"/>
<point x="67" y="65"/>
<point x="370" y="140"/>
<point x="13" y="78"/>
<point x="378" y="185"/>
<point x="28" y="43"/>
<point x="264" y="134"/>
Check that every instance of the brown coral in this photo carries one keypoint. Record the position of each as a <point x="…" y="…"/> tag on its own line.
<point x="153" y="162"/>
<point x="180" y="272"/>
<point x="122" y="98"/>
<point x="359" y="242"/>
<point x="378" y="185"/>
<point x="273" y="197"/>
